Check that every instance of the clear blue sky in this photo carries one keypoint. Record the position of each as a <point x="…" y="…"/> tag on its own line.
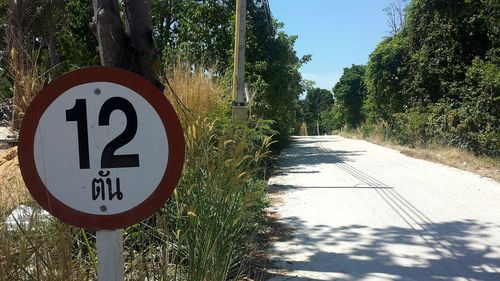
<point x="337" y="33"/>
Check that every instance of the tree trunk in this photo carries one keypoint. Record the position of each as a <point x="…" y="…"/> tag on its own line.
<point x="110" y="33"/>
<point x="54" y="58"/>
<point x="317" y="124"/>
<point x="131" y="48"/>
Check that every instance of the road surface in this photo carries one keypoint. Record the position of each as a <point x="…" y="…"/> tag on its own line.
<point x="360" y="211"/>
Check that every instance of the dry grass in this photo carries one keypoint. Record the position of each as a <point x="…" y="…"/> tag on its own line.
<point x="194" y="93"/>
<point x="12" y="189"/>
<point x="27" y="80"/>
<point x="27" y="83"/>
<point x="202" y="234"/>
<point x="26" y="76"/>
<point x="451" y="156"/>
<point x="458" y="158"/>
<point x="218" y="202"/>
<point x="37" y="249"/>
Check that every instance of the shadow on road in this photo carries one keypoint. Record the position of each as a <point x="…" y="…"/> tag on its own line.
<point x="371" y="257"/>
<point x="305" y="153"/>
<point x="440" y="250"/>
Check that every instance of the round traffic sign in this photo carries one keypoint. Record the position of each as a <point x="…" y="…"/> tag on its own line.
<point x="101" y="148"/>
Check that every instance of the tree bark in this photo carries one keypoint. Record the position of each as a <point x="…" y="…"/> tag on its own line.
<point x="53" y="57"/>
<point x="140" y="33"/>
<point x="110" y="33"/>
<point x="131" y="48"/>
<point x="317" y="124"/>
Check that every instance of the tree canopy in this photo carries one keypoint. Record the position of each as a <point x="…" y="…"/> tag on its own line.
<point x="316" y="102"/>
<point x="349" y="94"/>
<point x="435" y="79"/>
<point x="197" y="33"/>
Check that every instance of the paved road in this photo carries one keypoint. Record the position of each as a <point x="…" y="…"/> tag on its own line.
<point x="365" y="212"/>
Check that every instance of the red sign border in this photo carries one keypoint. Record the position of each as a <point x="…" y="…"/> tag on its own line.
<point x="156" y="99"/>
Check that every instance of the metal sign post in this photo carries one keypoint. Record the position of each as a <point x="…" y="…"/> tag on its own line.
<point x="101" y="148"/>
<point x="110" y="255"/>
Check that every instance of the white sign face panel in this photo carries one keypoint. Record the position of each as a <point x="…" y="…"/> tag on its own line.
<point x="101" y="148"/>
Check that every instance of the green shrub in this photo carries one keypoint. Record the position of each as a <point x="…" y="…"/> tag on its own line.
<point x="204" y="232"/>
<point x="218" y="202"/>
<point x="411" y="128"/>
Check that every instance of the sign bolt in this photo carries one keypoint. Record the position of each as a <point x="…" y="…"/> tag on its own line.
<point x="103" y="208"/>
<point x="97" y="91"/>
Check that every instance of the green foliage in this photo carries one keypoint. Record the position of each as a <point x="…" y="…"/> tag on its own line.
<point x="475" y="123"/>
<point x="437" y="80"/>
<point x="37" y="26"/>
<point x="386" y="73"/>
<point x="349" y="94"/>
<point x="4" y="18"/>
<point x="206" y="230"/>
<point x="273" y="72"/>
<point x="444" y="38"/>
<point x="218" y="203"/>
<point x="198" y="32"/>
<point x="77" y="45"/>
<point x="202" y="33"/>
<point x="317" y="104"/>
<point x="55" y="33"/>
<point x="5" y="83"/>
<point x="327" y="122"/>
<point x="411" y="128"/>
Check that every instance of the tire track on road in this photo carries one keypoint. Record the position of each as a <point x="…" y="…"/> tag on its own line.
<point x="412" y="216"/>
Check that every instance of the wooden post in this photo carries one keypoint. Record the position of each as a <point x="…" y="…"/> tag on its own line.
<point x="110" y="255"/>
<point x="239" y="109"/>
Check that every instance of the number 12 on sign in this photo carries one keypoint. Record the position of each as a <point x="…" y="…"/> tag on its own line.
<point x="78" y="114"/>
<point x="101" y="148"/>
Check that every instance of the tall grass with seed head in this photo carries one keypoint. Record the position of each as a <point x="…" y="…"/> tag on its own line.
<point x="218" y="202"/>
<point x="217" y="205"/>
<point x="28" y="78"/>
<point x="205" y="230"/>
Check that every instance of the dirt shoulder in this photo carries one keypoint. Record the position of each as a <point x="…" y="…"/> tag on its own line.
<point x="481" y="165"/>
<point x="458" y="158"/>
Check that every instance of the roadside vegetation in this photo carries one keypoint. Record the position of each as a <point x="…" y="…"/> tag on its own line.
<point x="208" y="228"/>
<point x="199" y="33"/>
<point x="204" y="232"/>
<point x="433" y="83"/>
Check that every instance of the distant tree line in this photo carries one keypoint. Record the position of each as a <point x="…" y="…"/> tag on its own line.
<point x="435" y="80"/>
<point x="199" y="33"/>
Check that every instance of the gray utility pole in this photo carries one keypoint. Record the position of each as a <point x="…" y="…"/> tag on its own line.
<point x="240" y="107"/>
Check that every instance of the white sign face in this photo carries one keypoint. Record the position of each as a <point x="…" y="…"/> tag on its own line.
<point x="101" y="148"/>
